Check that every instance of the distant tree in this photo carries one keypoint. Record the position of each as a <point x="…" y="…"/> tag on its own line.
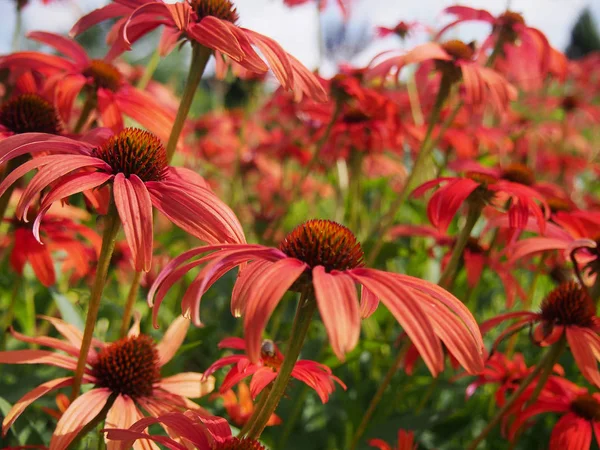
<point x="585" y="37"/>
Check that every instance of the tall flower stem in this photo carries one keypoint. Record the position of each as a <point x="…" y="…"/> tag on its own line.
<point x="131" y="298"/>
<point x="260" y="404"/>
<point x="428" y="144"/>
<point x="111" y="228"/>
<point x="306" y="308"/>
<point x="362" y="427"/>
<point x="88" y="107"/>
<point x="449" y="273"/>
<point x="10" y="311"/>
<point x="548" y="360"/>
<point x="200" y="57"/>
<point x="150" y="69"/>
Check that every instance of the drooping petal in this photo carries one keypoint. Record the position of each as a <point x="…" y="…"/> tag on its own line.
<point x="66" y="46"/>
<point x="172" y="340"/>
<point x="277" y="58"/>
<point x="214" y="33"/>
<point x="30" y="397"/>
<point x="260" y="380"/>
<point x="571" y="433"/>
<point x="122" y="414"/>
<point x="81" y="412"/>
<point x="338" y="306"/>
<point x="264" y="297"/>
<point x="368" y="302"/>
<point x="243" y="284"/>
<point x="109" y="11"/>
<point x="135" y="210"/>
<point x="585" y="347"/>
<point x="38" y="357"/>
<point x="407" y="311"/>
<point x="57" y="344"/>
<point x="188" y="384"/>
<point x="196" y="210"/>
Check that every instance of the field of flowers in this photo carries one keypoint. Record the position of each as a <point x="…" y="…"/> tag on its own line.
<point x="404" y="255"/>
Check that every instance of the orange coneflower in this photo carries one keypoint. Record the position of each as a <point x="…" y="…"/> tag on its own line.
<point x="135" y="163"/>
<point x="210" y="23"/>
<point x="325" y="257"/>
<point x="112" y="96"/>
<point x="126" y="372"/>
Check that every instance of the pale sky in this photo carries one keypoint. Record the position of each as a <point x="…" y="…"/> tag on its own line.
<point x="296" y="29"/>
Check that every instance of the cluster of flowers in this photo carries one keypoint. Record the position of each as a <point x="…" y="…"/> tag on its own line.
<point x="501" y="132"/>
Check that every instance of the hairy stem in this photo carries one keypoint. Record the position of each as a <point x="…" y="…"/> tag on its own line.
<point x="130" y="302"/>
<point x="111" y="228"/>
<point x="200" y="57"/>
<point x="447" y="277"/>
<point x="306" y="308"/>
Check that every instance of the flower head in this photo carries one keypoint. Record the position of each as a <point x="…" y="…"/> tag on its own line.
<point x="326" y="259"/>
<point x="265" y="370"/>
<point x="126" y="371"/>
<point x="199" y="431"/>
<point x="29" y="113"/>
<point x="112" y="96"/>
<point x="134" y="162"/>
<point x="567" y="312"/>
<point x="212" y="24"/>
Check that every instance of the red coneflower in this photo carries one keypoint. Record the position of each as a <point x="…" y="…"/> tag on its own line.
<point x="265" y="370"/>
<point x="568" y="311"/>
<point x="406" y="441"/>
<point x="111" y="94"/>
<point x="580" y="416"/>
<point x="134" y="162"/>
<point x="455" y="61"/>
<point x="326" y="258"/>
<point x="200" y="432"/>
<point x="28" y="113"/>
<point x="128" y="370"/>
<point x="486" y="186"/>
<point x="212" y="24"/>
<point x="60" y="234"/>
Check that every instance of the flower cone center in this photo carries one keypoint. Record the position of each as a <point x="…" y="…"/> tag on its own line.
<point x="519" y="173"/>
<point x="128" y="366"/>
<point x="234" y="443"/>
<point x="458" y="50"/>
<point x="135" y="152"/>
<point x="221" y="9"/>
<point x="105" y="75"/>
<point x="324" y="243"/>
<point x="30" y="113"/>
<point x="569" y="304"/>
<point x="586" y="407"/>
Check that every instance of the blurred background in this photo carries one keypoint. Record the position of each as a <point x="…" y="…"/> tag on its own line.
<point x="325" y="40"/>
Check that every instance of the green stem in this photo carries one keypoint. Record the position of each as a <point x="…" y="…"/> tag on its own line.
<point x="548" y="359"/>
<point x="150" y="69"/>
<point x="379" y="395"/>
<point x="200" y="57"/>
<point x="427" y="146"/>
<point x="306" y="308"/>
<point x="10" y="312"/>
<point x="257" y="407"/>
<point x="449" y="273"/>
<point x="354" y="198"/>
<point x="111" y="228"/>
<point x="130" y="302"/>
<point x="558" y="348"/>
<point x="88" y="107"/>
